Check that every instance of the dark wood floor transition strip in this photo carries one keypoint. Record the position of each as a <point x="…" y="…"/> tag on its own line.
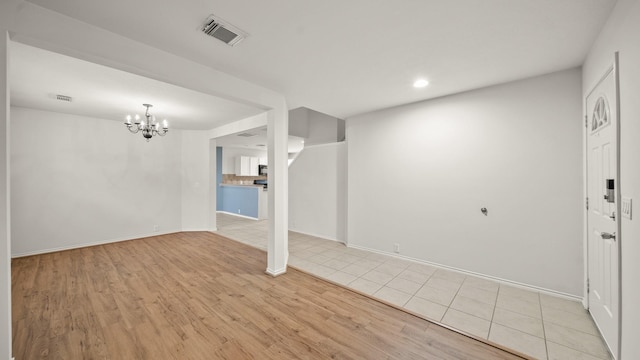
<point x="202" y="296"/>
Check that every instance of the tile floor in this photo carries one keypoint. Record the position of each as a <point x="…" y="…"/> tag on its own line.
<point x="536" y="324"/>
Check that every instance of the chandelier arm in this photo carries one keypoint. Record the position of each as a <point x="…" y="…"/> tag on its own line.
<point x="133" y="129"/>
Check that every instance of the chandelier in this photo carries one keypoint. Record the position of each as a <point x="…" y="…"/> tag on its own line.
<point x="149" y="127"/>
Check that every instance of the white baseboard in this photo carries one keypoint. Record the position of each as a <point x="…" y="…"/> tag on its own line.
<point x="88" y="244"/>
<point x="275" y="273"/>
<point x="238" y="215"/>
<point x="323" y="237"/>
<point x="466" y="272"/>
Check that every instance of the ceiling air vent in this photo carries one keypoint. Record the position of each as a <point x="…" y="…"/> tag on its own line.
<point x="64" y="98"/>
<point x="223" y="31"/>
<point x="246" y="134"/>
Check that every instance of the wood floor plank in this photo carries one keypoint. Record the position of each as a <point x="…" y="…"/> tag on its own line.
<point x="201" y="296"/>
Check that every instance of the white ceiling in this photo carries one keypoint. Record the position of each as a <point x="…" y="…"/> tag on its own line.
<point x="257" y="140"/>
<point x="348" y="57"/>
<point x="37" y="76"/>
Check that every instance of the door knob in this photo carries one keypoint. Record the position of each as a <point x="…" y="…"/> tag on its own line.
<point x="608" y="236"/>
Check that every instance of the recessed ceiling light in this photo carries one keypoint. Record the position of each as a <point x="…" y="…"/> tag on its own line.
<point x="420" y="83"/>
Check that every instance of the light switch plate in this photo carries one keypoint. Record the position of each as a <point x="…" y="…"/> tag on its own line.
<point x="626" y="208"/>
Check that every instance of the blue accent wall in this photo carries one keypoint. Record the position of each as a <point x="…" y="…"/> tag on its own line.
<point x="218" y="178"/>
<point x="241" y="200"/>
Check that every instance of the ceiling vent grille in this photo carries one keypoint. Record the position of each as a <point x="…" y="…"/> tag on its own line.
<point x="223" y="31"/>
<point x="246" y="134"/>
<point x="64" y="98"/>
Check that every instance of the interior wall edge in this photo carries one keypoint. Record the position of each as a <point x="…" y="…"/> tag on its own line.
<point x="5" y="198"/>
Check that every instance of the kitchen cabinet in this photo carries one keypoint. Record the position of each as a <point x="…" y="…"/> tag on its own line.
<point x="246" y="166"/>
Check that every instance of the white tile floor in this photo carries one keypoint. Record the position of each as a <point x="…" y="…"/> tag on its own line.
<point x="539" y="325"/>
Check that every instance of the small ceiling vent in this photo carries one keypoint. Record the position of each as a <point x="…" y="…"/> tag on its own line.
<point x="64" y="98"/>
<point x="246" y="134"/>
<point x="223" y="31"/>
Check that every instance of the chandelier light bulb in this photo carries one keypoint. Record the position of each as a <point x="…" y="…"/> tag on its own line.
<point x="420" y="83"/>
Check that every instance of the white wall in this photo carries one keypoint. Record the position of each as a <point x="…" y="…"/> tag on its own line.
<point x="317" y="191"/>
<point x="229" y="155"/>
<point x="621" y="34"/>
<point x="78" y="181"/>
<point x="5" y="218"/>
<point x="315" y="127"/>
<point x="299" y="122"/>
<point x="323" y="128"/>
<point x="196" y="184"/>
<point x="419" y="175"/>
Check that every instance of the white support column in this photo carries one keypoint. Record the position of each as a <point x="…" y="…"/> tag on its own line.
<point x="213" y="188"/>
<point x="5" y="223"/>
<point x="278" y="135"/>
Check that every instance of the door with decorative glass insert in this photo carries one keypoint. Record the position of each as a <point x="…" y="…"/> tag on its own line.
<point x="603" y="198"/>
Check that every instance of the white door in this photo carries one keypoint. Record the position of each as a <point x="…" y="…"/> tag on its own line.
<point x="602" y="218"/>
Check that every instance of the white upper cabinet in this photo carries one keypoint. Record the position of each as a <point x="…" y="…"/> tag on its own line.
<point x="246" y="166"/>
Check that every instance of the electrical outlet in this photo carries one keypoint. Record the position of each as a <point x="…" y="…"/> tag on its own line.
<point x="156" y="228"/>
<point x="626" y="208"/>
<point x="396" y="247"/>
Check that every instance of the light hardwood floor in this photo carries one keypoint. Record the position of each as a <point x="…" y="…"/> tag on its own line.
<point x="202" y="296"/>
